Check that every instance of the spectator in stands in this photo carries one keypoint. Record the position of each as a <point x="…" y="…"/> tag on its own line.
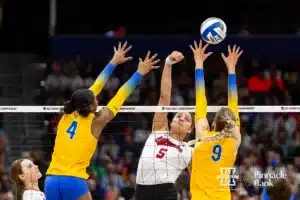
<point x="248" y="169"/>
<point x="4" y="184"/>
<point x="53" y="80"/>
<point x="8" y="196"/>
<point x="177" y="98"/>
<point x="266" y="83"/>
<point x="88" y="76"/>
<point x="110" y="148"/>
<point x="275" y="74"/>
<point x="292" y="178"/>
<point x="141" y="133"/>
<point x="184" y="84"/>
<point x="274" y="160"/>
<point x="2" y="150"/>
<point x="296" y="140"/>
<point x="129" y="187"/>
<point x="280" y="191"/>
<point x="96" y="191"/>
<point x="292" y="82"/>
<point x="285" y="122"/>
<point x="263" y="123"/>
<point x="112" y="182"/>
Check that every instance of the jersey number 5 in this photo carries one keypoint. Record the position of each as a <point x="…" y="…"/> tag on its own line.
<point x="162" y="152"/>
<point x="217" y="151"/>
<point x="72" y="129"/>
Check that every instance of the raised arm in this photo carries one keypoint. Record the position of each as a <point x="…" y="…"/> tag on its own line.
<point x="118" y="58"/>
<point x="113" y="107"/>
<point x="230" y="61"/>
<point x="201" y="123"/>
<point x="160" y="120"/>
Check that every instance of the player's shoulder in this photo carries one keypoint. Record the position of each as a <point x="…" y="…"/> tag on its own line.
<point x="210" y="133"/>
<point x="66" y="117"/>
<point x="187" y="147"/>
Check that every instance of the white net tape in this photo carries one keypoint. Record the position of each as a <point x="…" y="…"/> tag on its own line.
<point x="151" y="109"/>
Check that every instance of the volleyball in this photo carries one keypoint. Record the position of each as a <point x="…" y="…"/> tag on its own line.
<point x="213" y="30"/>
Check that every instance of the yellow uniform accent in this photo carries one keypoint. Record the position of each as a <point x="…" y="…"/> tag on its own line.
<point x="233" y="97"/>
<point x="123" y="93"/>
<point x="201" y="102"/>
<point x="98" y="85"/>
<point x="71" y="157"/>
<point x="205" y="183"/>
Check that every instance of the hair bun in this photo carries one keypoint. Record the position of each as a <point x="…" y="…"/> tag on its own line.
<point x="68" y="107"/>
<point x="230" y="123"/>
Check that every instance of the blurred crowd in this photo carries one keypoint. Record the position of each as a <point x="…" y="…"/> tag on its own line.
<point x="271" y="141"/>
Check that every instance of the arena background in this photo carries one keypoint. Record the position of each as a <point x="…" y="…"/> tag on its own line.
<point x="44" y="58"/>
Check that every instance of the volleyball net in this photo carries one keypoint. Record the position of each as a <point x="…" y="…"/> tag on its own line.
<point x="264" y="129"/>
<point x="152" y="109"/>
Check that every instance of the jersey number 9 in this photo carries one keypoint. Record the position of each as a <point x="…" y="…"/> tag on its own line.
<point x="217" y="151"/>
<point x="72" y="129"/>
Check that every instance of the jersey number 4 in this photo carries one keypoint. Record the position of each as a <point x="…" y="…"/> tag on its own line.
<point x="217" y="151"/>
<point x="72" y="129"/>
<point x="162" y="152"/>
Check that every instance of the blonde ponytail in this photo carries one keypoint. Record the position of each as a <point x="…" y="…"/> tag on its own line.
<point x="226" y="132"/>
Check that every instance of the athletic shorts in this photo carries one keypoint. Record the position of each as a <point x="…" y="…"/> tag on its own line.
<point x="65" y="187"/>
<point x="166" y="191"/>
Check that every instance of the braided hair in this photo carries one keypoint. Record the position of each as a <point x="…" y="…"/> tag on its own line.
<point x="224" y="124"/>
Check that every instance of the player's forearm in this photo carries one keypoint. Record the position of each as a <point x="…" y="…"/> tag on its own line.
<point x="102" y="78"/>
<point x="233" y="96"/>
<point x="123" y="93"/>
<point x="201" y="102"/>
<point x="166" y="86"/>
<point x="160" y="119"/>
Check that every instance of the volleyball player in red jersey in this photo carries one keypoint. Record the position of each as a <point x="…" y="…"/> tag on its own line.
<point x="164" y="155"/>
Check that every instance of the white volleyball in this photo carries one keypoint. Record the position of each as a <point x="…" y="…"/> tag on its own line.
<point x="213" y="30"/>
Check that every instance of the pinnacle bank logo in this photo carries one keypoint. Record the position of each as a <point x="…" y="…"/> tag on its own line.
<point x="263" y="179"/>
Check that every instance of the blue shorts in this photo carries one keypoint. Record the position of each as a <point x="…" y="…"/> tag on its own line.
<point x="65" y="187"/>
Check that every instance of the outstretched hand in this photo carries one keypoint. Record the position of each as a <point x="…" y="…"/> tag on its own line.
<point x="232" y="58"/>
<point x="120" y="54"/>
<point x="149" y="63"/>
<point x="199" y="53"/>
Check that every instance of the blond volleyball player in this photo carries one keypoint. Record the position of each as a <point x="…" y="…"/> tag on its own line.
<point x="217" y="148"/>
